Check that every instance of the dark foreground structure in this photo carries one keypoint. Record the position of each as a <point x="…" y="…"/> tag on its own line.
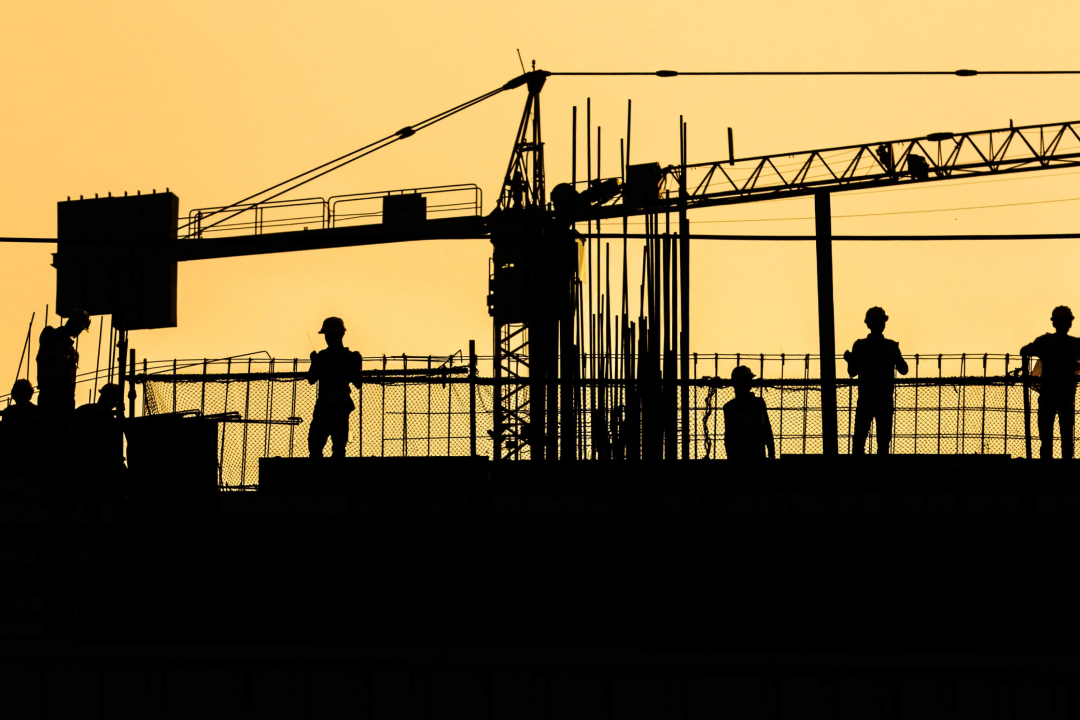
<point x="907" y="586"/>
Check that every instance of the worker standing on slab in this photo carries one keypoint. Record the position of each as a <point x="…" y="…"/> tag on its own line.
<point x="1060" y="356"/>
<point x="748" y="433"/>
<point x="334" y="369"/>
<point x="57" y="365"/>
<point x="874" y="359"/>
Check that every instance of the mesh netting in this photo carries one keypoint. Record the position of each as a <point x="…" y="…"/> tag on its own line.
<point x="393" y="419"/>
<point x="418" y="417"/>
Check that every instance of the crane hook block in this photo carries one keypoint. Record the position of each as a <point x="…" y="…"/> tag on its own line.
<point x="405" y="132"/>
<point x="967" y="73"/>
<point x="667" y="73"/>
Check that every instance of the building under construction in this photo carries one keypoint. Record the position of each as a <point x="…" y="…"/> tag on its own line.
<point x="553" y="528"/>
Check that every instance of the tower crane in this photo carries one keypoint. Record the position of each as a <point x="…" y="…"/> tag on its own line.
<point x="119" y="255"/>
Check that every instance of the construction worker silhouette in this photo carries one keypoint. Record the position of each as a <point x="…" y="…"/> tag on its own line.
<point x="747" y="431"/>
<point x="873" y="359"/>
<point x="96" y="439"/>
<point x="20" y="427"/>
<point x="1060" y="356"/>
<point x="22" y="392"/>
<point x="333" y="369"/>
<point x="57" y="364"/>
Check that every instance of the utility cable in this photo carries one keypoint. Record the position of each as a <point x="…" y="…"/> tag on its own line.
<point x="732" y="73"/>
<point x="851" y="238"/>
<point x="901" y="212"/>
<point x="880" y="214"/>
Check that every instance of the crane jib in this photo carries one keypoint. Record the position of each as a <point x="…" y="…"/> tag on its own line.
<point x="938" y="156"/>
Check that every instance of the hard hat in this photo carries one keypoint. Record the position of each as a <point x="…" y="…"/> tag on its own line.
<point x="80" y="317"/>
<point x="333" y="326"/>
<point x="1061" y="312"/>
<point x="742" y="373"/>
<point x="875" y="313"/>
<point x="22" y="388"/>
<point x="110" y="393"/>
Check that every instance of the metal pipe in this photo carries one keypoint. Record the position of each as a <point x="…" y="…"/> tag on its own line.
<point x="684" y="297"/>
<point x="472" y="399"/>
<point x="131" y="390"/>
<point x="1025" y="362"/>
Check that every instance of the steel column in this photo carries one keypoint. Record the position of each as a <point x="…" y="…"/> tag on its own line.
<point x="684" y="305"/>
<point x="826" y="323"/>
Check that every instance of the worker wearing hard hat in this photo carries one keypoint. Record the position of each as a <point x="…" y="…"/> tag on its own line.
<point x="333" y="369"/>
<point x="96" y="442"/>
<point x="874" y="359"/>
<point x="20" y="428"/>
<point x="1059" y="353"/>
<point x="57" y="365"/>
<point x="747" y="431"/>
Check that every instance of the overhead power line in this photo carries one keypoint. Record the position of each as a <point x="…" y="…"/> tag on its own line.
<point x="735" y="73"/>
<point x="850" y="238"/>
<point x="768" y="238"/>
<point x="879" y="214"/>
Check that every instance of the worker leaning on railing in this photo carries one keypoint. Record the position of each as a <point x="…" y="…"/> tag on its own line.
<point x="1059" y="354"/>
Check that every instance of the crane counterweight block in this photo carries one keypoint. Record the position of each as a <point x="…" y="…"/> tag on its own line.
<point x="108" y="259"/>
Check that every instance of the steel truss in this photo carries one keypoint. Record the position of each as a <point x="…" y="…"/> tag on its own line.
<point x="938" y="156"/>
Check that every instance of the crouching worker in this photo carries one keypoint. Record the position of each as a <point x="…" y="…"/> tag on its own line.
<point x="20" y="430"/>
<point x="747" y="431"/>
<point x="334" y="369"/>
<point x="96" y="443"/>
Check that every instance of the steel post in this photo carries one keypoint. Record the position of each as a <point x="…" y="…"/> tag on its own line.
<point x="1025" y="363"/>
<point x="472" y="398"/>
<point x="826" y="324"/>
<point x="684" y="305"/>
<point x="131" y="390"/>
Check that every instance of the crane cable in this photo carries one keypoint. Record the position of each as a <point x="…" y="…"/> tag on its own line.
<point x="342" y="161"/>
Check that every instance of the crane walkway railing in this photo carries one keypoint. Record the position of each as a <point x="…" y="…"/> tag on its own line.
<point x="324" y="213"/>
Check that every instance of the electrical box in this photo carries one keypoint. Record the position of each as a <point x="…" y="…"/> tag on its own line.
<point x="644" y="184"/>
<point x="112" y="259"/>
<point x="404" y="208"/>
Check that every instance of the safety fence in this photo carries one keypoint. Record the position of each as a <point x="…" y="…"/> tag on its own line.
<point x="410" y="406"/>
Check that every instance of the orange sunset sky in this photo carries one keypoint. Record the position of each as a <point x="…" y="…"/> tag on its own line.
<point x="216" y="100"/>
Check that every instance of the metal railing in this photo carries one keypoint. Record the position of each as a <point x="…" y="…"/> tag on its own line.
<point x="323" y="213"/>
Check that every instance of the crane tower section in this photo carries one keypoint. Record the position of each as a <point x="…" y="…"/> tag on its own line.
<point x="531" y="300"/>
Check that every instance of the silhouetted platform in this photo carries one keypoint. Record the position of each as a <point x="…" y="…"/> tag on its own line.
<point x="914" y="552"/>
<point x="804" y="561"/>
